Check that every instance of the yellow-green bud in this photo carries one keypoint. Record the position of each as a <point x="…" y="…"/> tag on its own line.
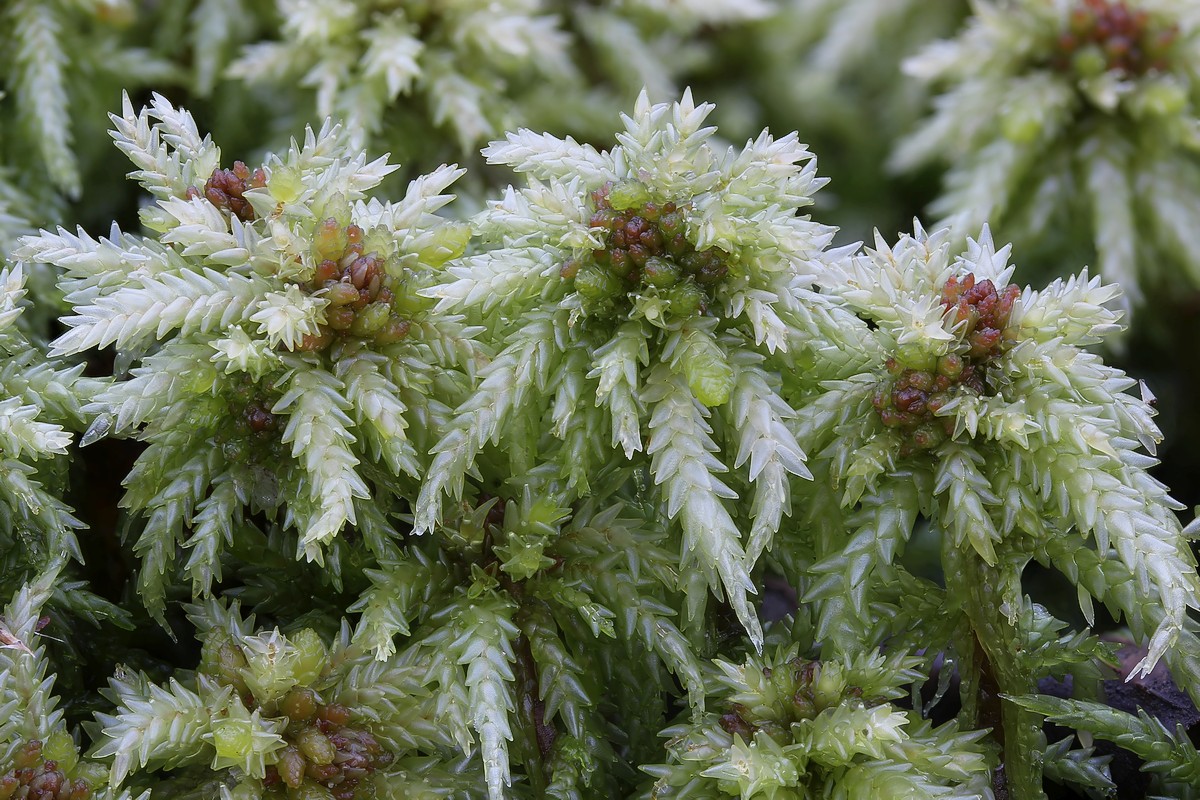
<point x="232" y="738"/>
<point x="915" y="356"/>
<point x="314" y="656"/>
<point x="291" y="766"/>
<point x="92" y="772"/>
<point x="661" y="272"/>
<point x="316" y="746"/>
<point x="594" y="283"/>
<point x="221" y="658"/>
<point x="628" y="194"/>
<point x="449" y="242"/>
<point x="1089" y="62"/>
<point x="711" y="380"/>
<point x="544" y="512"/>
<point x="285" y="184"/>
<point x="829" y="684"/>
<point x="60" y="747"/>
<point x="685" y="298"/>
<point x="370" y="319"/>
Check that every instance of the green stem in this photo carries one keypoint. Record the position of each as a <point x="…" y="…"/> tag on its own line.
<point x="987" y="592"/>
<point x="537" y="735"/>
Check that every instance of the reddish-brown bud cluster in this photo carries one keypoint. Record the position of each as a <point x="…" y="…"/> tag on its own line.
<point x="985" y="312"/>
<point x="361" y="294"/>
<point x="734" y="723"/>
<point x="254" y="432"/>
<point x="910" y="401"/>
<point x="226" y="187"/>
<point x="34" y="778"/>
<point x="1104" y="35"/>
<point x="258" y="418"/>
<point x="250" y="409"/>
<point x="645" y="246"/>
<point x="323" y="749"/>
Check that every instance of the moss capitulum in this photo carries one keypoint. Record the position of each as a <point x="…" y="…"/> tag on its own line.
<point x="1107" y="35"/>
<point x="324" y="755"/>
<point x="910" y="399"/>
<point x="646" y="250"/>
<point x="799" y="677"/>
<point x="361" y="293"/>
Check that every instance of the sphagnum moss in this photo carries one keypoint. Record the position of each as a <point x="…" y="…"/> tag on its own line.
<point x="643" y="296"/>
<point x="1033" y="444"/>
<point x="623" y="372"/>
<point x="1077" y="114"/>
<point x="275" y="332"/>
